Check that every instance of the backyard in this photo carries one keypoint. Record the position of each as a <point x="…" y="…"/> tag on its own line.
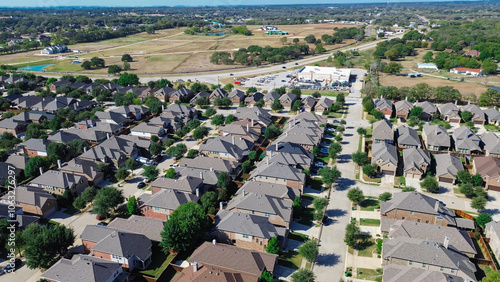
<point x="158" y="264"/>
<point x="369" y="205"/>
<point x="369" y="274"/>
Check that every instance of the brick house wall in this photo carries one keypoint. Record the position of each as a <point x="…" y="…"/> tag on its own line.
<point x="33" y="153"/>
<point x="387" y="167"/>
<point x="218" y="156"/>
<point x="385" y="111"/>
<point x="415" y="216"/>
<point x="87" y="246"/>
<point x="402" y="113"/>
<point x="236" y="100"/>
<point x="149" y="211"/>
<point x="16" y="131"/>
<point x="252" y="243"/>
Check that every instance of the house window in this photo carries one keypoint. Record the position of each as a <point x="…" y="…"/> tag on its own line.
<point x="424" y="264"/>
<point x="268" y="214"/>
<point x="412" y="212"/>
<point x="245" y="236"/>
<point x="418" y="220"/>
<point x="403" y="217"/>
<point x="441" y="269"/>
<point x="452" y="270"/>
<point x="426" y="221"/>
<point x="410" y="262"/>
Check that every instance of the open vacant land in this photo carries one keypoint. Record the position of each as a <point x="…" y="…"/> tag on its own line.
<point x="170" y="50"/>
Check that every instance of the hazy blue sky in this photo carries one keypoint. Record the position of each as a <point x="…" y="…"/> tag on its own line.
<point x="132" y="3"/>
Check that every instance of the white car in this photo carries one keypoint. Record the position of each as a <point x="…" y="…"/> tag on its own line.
<point x="319" y="164"/>
<point x="174" y="165"/>
<point x="331" y="129"/>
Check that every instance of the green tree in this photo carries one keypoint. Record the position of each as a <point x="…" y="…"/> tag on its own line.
<point x="329" y="175"/>
<point x="361" y="131"/>
<point x="392" y="54"/>
<point x="386" y="196"/>
<point x="128" y="79"/>
<point x="355" y="195"/>
<point x="126" y="66"/>
<point x="170" y="173"/>
<point x="106" y="200"/>
<point x="79" y="203"/>
<point x="97" y="62"/>
<point x="272" y="131"/>
<point x="303" y="275"/>
<point x="266" y="276"/>
<point x="192" y="153"/>
<point x="32" y="168"/>
<point x="479" y="203"/>
<point x="467" y="189"/>
<point x="122" y="173"/>
<point x="246" y="166"/>
<point x="492" y="276"/>
<point x="218" y="120"/>
<point x="334" y="149"/>
<point x="58" y="151"/>
<point x="151" y="172"/>
<point x="33" y="130"/>
<point x="86" y="65"/>
<point x="224" y="180"/>
<point x="276" y="106"/>
<point x="260" y="103"/>
<point x="370" y="170"/>
<point x="89" y="194"/>
<point x="113" y="69"/>
<point x="483" y="218"/>
<point x="187" y="224"/>
<point x="466" y="116"/>
<point x="416" y="112"/>
<point x="464" y="176"/>
<point x="320" y="203"/>
<point x="477" y="180"/>
<point x="430" y="184"/>
<point x="176" y="151"/>
<point x="309" y="250"/>
<point x="132" y="164"/>
<point x="252" y="155"/>
<point x="296" y="202"/>
<point x="360" y="158"/>
<point x="210" y="112"/>
<point x="428" y="57"/>
<point x="352" y="234"/>
<point x="155" y="149"/>
<point x="230" y="118"/>
<point x="126" y="58"/>
<point x="273" y="246"/>
<point x="297" y="104"/>
<point x="200" y="132"/>
<point x="368" y="105"/>
<point x="209" y="201"/>
<point x="131" y="205"/>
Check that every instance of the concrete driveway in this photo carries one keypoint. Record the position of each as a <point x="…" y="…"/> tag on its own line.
<point x="413" y="182"/>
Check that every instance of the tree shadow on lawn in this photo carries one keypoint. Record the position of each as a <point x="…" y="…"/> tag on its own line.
<point x="344" y="184"/>
<point x="327" y="259"/>
<point x="365" y="242"/>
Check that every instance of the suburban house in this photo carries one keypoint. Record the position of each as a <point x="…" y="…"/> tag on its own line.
<point x="323" y="104"/>
<point x="209" y="164"/>
<point x="148" y="92"/>
<point x="407" y="138"/>
<point x="385" y="156"/>
<point x="396" y="272"/>
<point x="112" y="117"/>
<point x="163" y="203"/>
<point x="492" y="231"/>
<point x="115" y="151"/>
<point x="447" y="167"/>
<point x="429" y="109"/>
<point x="457" y="239"/>
<point x="17" y="161"/>
<point x="415" y="206"/>
<point x="403" y="109"/>
<point x="277" y="210"/>
<point x="384" y="106"/>
<point x="179" y="113"/>
<point x="466" y="141"/>
<point x="185" y="184"/>
<point x="85" y="168"/>
<point x="383" y="132"/>
<point x="217" y="93"/>
<point x="478" y="116"/>
<point x="13" y="126"/>
<point x="66" y="136"/>
<point x="85" y="268"/>
<point x="253" y="98"/>
<point x="240" y="131"/>
<point x="269" y="98"/>
<point x="220" y="262"/>
<point x="450" y="112"/>
<point x="33" y="201"/>
<point x="491" y="144"/>
<point x="273" y="190"/>
<point x="136" y="112"/>
<point x="429" y="255"/>
<point x="251" y="123"/>
<point x="276" y="173"/>
<point x="492" y="115"/>
<point x="416" y="162"/>
<point x="246" y="231"/>
<point x="311" y="117"/>
<point x="209" y="177"/>
<point x="131" y="250"/>
<point x="226" y="147"/>
<point x="288" y="148"/>
<point x="57" y="182"/>
<point x="489" y="169"/>
<point x="86" y="124"/>
<point x="163" y="122"/>
<point x="149" y="227"/>
<point x="472" y="53"/>
<point x="236" y="96"/>
<point x="308" y="139"/>
<point x="467" y="71"/>
<point x="183" y="95"/>
<point x="296" y="160"/>
<point x="257" y="114"/>
<point x="163" y="94"/>
<point x="435" y="138"/>
<point x="147" y="130"/>
<point x="287" y="100"/>
<point x="35" y="147"/>
<point x="308" y="103"/>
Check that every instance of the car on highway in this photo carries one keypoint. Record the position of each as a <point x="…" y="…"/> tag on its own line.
<point x="319" y="164"/>
<point x="141" y="185"/>
<point x="323" y="150"/>
<point x="231" y="74"/>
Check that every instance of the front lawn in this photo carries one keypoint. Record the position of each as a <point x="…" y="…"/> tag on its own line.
<point x="369" y="274"/>
<point x="305" y="215"/>
<point x="298" y="236"/>
<point x="316" y="183"/>
<point x="159" y="262"/>
<point x="71" y="210"/>
<point x="366" y="246"/>
<point x="369" y="222"/>
<point x="369" y="205"/>
<point x="491" y="127"/>
<point x="290" y="259"/>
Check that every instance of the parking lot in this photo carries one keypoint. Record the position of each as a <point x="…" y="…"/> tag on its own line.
<point x="269" y="82"/>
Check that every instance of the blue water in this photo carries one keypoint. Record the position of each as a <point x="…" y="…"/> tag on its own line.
<point x="36" y="68"/>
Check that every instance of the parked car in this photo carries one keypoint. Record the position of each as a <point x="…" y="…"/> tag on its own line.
<point x="140" y="185"/>
<point x="296" y="64"/>
<point x="331" y="129"/>
<point x="323" y="150"/>
<point x="328" y="136"/>
<point x="314" y="170"/>
<point x="319" y="164"/>
<point x="174" y="165"/>
<point x="231" y="74"/>
<point x="11" y="267"/>
<point x="99" y="217"/>
<point x="100" y="223"/>
<point x="283" y="67"/>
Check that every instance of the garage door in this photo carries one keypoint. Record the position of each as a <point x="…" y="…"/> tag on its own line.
<point x="445" y="180"/>
<point x="494" y="188"/>
<point x="478" y="122"/>
<point x="388" y="172"/>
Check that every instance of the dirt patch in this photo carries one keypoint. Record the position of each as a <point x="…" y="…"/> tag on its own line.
<point x="464" y="87"/>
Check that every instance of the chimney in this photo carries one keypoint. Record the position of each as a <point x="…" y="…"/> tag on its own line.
<point x="252" y="122"/>
<point x="214" y="242"/>
<point x="211" y="169"/>
<point x="84" y="149"/>
<point x="221" y="205"/>
<point x="197" y="192"/>
<point x="41" y="170"/>
<point x="201" y="175"/>
<point x="277" y="145"/>
<point x="243" y="192"/>
<point x="59" y="163"/>
<point x="468" y="102"/>
<point x="267" y="160"/>
<point x="162" y="107"/>
<point x="248" y="128"/>
<point x="436" y="206"/>
<point x="446" y="241"/>
<point x="195" y="266"/>
<point x="232" y="139"/>
<point x="107" y="135"/>
<point x="456" y="102"/>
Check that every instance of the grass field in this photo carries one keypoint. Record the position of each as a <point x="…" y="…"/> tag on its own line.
<point x="369" y="205"/>
<point x="290" y="259"/>
<point x="368" y="274"/>
<point x="369" y="222"/>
